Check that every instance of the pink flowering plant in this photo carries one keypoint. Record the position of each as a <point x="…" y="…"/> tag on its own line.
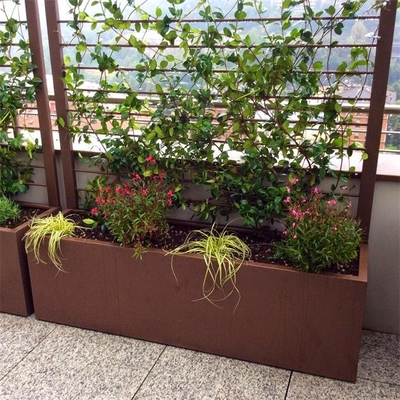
<point x="319" y="234"/>
<point x="134" y="211"/>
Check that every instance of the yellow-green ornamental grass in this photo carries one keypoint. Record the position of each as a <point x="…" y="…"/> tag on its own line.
<point x="223" y="254"/>
<point x="55" y="228"/>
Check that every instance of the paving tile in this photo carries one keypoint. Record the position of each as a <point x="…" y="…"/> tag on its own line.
<point x="16" y="323"/>
<point x="380" y="357"/>
<point x="380" y="345"/>
<point x="310" y="387"/>
<point x="19" y="336"/>
<point x="184" y="374"/>
<point x="381" y="370"/>
<point x="77" y="364"/>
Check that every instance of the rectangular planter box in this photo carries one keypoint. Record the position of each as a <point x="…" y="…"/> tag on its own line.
<point x="15" y="288"/>
<point x="285" y="318"/>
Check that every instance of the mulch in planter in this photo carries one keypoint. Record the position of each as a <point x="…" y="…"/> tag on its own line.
<point x="260" y="242"/>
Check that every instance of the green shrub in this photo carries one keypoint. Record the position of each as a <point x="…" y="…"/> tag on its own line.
<point x="319" y="233"/>
<point x="9" y="211"/>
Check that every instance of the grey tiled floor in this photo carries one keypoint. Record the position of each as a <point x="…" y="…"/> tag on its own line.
<point x="40" y="360"/>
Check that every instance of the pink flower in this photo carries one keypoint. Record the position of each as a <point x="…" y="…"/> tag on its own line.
<point x="127" y="189"/>
<point x="284" y="233"/>
<point x="108" y="189"/>
<point x="144" y="192"/>
<point x="315" y="191"/>
<point x="294" y="236"/>
<point x="150" y="159"/>
<point x="348" y="204"/>
<point x="288" y="189"/>
<point x="295" y="180"/>
<point x="169" y="202"/>
<point x="118" y="190"/>
<point x="334" y="229"/>
<point x="94" y="211"/>
<point x="161" y="174"/>
<point x="287" y="200"/>
<point x="332" y="202"/>
<point x="170" y="193"/>
<point x="135" y="177"/>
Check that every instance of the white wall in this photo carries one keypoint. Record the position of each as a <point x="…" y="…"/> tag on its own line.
<point x="383" y="294"/>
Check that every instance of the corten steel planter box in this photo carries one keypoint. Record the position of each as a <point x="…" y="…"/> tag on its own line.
<point x="15" y="288"/>
<point x="285" y="318"/>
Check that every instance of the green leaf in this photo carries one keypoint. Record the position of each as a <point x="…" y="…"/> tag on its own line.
<point x="88" y="221"/>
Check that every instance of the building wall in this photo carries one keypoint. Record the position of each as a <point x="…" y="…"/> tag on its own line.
<point x="382" y="311"/>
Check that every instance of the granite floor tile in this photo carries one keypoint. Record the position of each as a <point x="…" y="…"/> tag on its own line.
<point x="380" y="345"/>
<point x="184" y="374"/>
<point x="380" y="357"/>
<point x="308" y="387"/>
<point x="17" y="323"/>
<point x="381" y="370"/>
<point x="77" y="364"/>
<point x="19" y="336"/>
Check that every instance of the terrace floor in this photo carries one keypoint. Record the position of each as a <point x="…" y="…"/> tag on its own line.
<point x="41" y="360"/>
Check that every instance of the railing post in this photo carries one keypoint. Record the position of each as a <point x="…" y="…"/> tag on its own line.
<point x="57" y="65"/>
<point x="376" y="111"/>
<point x="43" y="106"/>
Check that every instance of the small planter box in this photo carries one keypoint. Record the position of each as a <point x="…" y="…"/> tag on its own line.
<point x="285" y="318"/>
<point x="15" y="288"/>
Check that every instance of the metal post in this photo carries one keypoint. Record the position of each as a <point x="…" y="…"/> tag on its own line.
<point x="57" y="65"/>
<point x="42" y="100"/>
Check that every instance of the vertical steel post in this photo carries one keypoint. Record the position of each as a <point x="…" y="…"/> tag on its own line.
<point x="43" y="106"/>
<point x="377" y="108"/>
<point x="57" y="66"/>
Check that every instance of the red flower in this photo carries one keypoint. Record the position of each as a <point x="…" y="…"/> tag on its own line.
<point x="170" y="193"/>
<point x="150" y="159"/>
<point x="118" y="190"/>
<point x="94" y="211"/>
<point x="135" y="176"/>
<point x="169" y="202"/>
<point x="144" y="192"/>
<point x="108" y="189"/>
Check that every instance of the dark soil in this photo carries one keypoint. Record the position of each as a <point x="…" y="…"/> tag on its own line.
<point x="259" y="242"/>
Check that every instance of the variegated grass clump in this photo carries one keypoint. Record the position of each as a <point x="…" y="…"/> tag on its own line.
<point x="55" y="227"/>
<point x="9" y="211"/>
<point x="224" y="253"/>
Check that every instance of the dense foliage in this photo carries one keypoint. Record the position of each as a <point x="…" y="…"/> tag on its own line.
<point x="18" y="87"/>
<point x="240" y="108"/>
<point x="135" y="210"/>
<point x="320" y="234"/>
<point x="9" y="211"/>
